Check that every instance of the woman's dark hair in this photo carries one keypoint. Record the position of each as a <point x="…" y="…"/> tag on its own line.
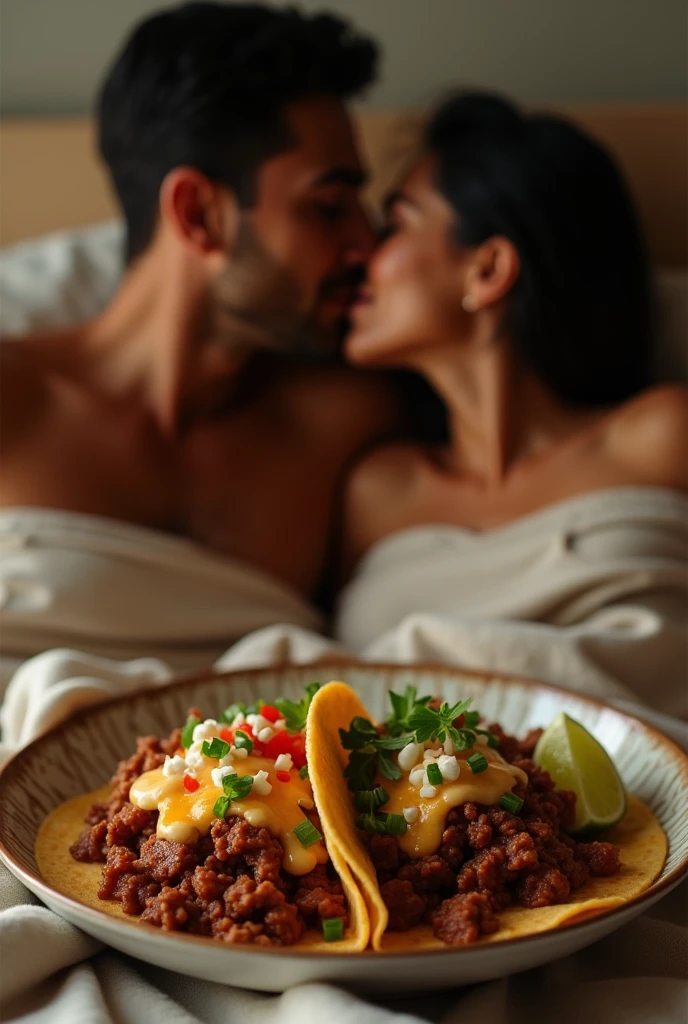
<point x="580" y="312"/>
<point x="206" y="84"/>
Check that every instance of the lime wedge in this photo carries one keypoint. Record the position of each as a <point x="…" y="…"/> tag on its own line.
<point x="576" y="761"/>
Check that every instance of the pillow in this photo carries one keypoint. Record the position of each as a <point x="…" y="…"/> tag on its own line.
<point x="61" y="279"/>
<point x="69" y="276"/>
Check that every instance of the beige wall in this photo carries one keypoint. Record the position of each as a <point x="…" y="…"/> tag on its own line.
<point x="53" y="52"/>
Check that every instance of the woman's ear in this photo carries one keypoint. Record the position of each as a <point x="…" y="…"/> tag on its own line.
<point x="492" y="272"/>
<point x="202" y="215"/>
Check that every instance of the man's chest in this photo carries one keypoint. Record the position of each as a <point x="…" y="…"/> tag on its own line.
<point x="263" y="495"/>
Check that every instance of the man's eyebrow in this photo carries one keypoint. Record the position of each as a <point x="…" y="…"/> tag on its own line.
<point x="354" y="177"/>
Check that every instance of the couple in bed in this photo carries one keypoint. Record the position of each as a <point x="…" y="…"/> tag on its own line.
<point x="199" y="461"/>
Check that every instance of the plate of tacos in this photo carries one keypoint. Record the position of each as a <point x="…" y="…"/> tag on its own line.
<point x="389" y="828"/>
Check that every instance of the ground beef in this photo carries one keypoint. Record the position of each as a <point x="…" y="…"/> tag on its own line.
<point x="91" y="843"/>
<point x="490" y="858"/>
<point x="464" y="918"/>
<point x="319" y="895"/>
<point x="229" y="884"/>
<point x="405" y="906"/>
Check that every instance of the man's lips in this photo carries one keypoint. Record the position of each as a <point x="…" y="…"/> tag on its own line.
<point x="362" y="298"/>
<point x="341" y="297"/>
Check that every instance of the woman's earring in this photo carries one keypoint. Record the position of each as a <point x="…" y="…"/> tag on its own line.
<point x="468" y="303"/>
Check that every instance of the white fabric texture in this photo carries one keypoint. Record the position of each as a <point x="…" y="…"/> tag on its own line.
<point x="50" y="973"/>
<point x="86" y="582"/>
<point x="590" y="593"/>
<point x="60" y="279"/>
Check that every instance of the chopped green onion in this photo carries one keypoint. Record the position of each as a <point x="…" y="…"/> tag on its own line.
<point x="380" y="796"/>
<point x="510" y="802"/>
<point x="477" y="763"/>
<point x="492" y="740"/>
<point x="369" y="800"/>
<point x="434" y="774"/>
<point x="242" y="741"/>
<point x="236" y="787"/>
<point x="307" y="833"/>
<point x="363" y="800"/>
<point x="216" y="748"/>
<point x="221" y="806"/>
<point x="333" y="929"/>
<point x="384" y="824"/>
<point x="303" y="772"/>
<point x="186" y="738"/>
<point x="396" y="824"/>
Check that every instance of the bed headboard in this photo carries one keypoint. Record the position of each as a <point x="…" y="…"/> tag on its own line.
<point x="51" y="178"/>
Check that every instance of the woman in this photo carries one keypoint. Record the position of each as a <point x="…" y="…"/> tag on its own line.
<point x="513" y="278"/>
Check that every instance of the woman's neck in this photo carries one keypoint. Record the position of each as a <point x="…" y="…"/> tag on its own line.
<point x="499" y="413"/>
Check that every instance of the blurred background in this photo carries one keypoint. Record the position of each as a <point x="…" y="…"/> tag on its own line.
<point x="53" y="52"/>
<point x="619" y="67"/>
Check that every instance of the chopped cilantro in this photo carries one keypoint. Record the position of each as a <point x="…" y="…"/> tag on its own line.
<point x="296" y="712"/>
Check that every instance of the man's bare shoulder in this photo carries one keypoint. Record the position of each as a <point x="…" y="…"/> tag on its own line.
<point x="649" y="435"/>
<point x="24" y="390"/>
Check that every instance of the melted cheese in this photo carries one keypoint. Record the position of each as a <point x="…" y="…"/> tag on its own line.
<point x="184" y="816"/>
<point x="424" y="835"/>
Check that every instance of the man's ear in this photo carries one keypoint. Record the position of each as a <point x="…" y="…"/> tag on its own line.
<point x="492" y="271"/>
<point x="203" y="215"/>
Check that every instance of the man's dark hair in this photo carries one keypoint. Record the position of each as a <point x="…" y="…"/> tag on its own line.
<point x="580" y="312"/>
<point x="206" y="85"/>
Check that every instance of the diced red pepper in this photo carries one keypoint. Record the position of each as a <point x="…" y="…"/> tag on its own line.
<point x="283" y="776"/>
<point x="270" y="712"/>
<point x="191" y="784"/>
<point x="227" y="735"/>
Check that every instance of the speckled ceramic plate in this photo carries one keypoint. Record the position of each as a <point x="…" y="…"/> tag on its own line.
<point x="81" y="754"/>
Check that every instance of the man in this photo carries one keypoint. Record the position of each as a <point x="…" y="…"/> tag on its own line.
<point x="227" y="141"/>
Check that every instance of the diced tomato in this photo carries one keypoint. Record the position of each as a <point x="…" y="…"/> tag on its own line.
<point x="283" y="776"/>
<point x="227" y="735"/>
<point x="270" y="712"/>
<point x="191" y="784"/>
<point x="298" y="750"/>
<point x="458" y="722"/>
<point x="281" y="743"/>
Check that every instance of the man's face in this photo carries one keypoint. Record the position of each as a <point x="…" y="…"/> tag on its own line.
<point x="303" y="244"/>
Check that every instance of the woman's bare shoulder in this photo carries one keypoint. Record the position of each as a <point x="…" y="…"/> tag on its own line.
<point x="649" y="434"/>
<point x="378" y="492"/>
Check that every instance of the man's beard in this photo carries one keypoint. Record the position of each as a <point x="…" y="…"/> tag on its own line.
<point x="258" y="305"/>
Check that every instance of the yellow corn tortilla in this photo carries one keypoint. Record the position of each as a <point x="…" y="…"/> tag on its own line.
<point x="639" y="836"/>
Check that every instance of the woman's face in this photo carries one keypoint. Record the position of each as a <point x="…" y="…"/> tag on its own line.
<point x="412" y="295"/>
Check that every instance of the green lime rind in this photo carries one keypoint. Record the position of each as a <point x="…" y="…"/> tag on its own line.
<point x="575" y="760"/>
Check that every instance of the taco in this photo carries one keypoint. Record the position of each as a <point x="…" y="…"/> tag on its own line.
<point x="454" y="834"/>
<point x="213" y="831"/>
